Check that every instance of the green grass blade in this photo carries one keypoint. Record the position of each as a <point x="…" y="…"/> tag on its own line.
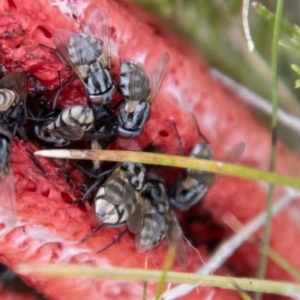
<point x="247" y="284"/>
<point x="173" y="161"/>
<point x="271" y="17"/>
<point x="167" y="265"/>
<point x="267" y="231"/>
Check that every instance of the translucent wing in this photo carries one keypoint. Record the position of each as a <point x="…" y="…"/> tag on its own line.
<point x="94" y="136"/>
<point x="118" y="189"/>
<point x="234" y="153"/>
<point x="152" y="231"/>
<point x="139" y="84"/>
<point x="77" y="50"/>
<point x="136" y="221"/>
<point x="232" y="156"/>
<point x="62" y="42"/>
<point x="175" y="237"/>
<point x="202" y="151"/>
<point x="98" y="26"/>
<point x="15" y="81"/>
<point x="158" y="73"/>
<point x="8" y="199"/>
<point x="72" y="133"/>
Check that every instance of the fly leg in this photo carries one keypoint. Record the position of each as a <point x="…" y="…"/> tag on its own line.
<point x="114" y="241"/>
<point x="93" y="233"/>
<point x="91" y="188"/>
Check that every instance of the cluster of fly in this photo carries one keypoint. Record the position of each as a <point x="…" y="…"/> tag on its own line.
<point x="126" y="193"/>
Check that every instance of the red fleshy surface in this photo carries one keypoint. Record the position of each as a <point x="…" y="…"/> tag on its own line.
<point x="51" y="228"/>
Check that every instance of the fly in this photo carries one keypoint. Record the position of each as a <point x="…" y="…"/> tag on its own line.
<point x="118" y="200"/>
<point x="73" y="123"/>
<point x="193" y="185"/>
<point x="88" y="53"/>
<point x="13" y="93"/>
<point x="160" y="221"/>
<point x="139" y="90"/>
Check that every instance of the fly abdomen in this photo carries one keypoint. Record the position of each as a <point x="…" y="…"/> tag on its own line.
<point x="110" y="213"/>
<point x="77" y="115"/>
<point x="44" y="133"/>
<point x="152" y="233"/>
<point x="153" y="230"/>
<point x="8" y="99"/>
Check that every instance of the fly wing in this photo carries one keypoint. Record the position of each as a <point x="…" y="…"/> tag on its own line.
<point x="234" y="153"/>
<point x="136" y="221"/>
<point x="94" y="136"/>
<point x="118" y="189"/>
<point x="152" y="231"/>
<point x="175" y="237"/>
<point x="72" y="133"/>
<point x="15" y="81"/>
<point x="62" y="42"/>
<point x="8" y="199"/>
<point x="82" y="49"/>
<point x="158" y="73"/>
<point x="139" y="84"/>
<point x="202" y="151"/>
<point x="98" y="26"/>
<point x="231" y="156"/>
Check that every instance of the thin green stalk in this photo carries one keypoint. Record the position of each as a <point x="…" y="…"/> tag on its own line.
<point x="275" y="256"/>
<point x="267" y="231"/>
<point x="167" y="266"/>
<point x="270" y="17"/>
<point x="145" y="283"/>
<point x="173" y="161"/>
<point x="283" y="263"/>
<point x="247" y="284"/>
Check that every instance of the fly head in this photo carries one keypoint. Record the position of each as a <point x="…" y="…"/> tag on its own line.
<point x="135" y="173"/>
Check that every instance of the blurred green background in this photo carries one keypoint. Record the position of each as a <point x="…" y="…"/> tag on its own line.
<point x="215" y="29"/>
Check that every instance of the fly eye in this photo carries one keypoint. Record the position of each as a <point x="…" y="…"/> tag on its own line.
<point x="137" y="170"/>
<point x="124" y="166"/>
<point x="135" y="182"/>
<point x="184" y="192"/>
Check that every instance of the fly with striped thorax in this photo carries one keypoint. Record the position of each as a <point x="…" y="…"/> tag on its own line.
<point x="118" y="199"/>
<point x="160" y="221"/>
<point x="125" y="196"/>
<point x="88" y="54"/>
<point x="71" y="124"/>
<point x="193" y="185"/>
<point x="139" y="89"/>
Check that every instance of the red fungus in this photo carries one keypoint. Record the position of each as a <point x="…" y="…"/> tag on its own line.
<point x="49" y="228"/>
